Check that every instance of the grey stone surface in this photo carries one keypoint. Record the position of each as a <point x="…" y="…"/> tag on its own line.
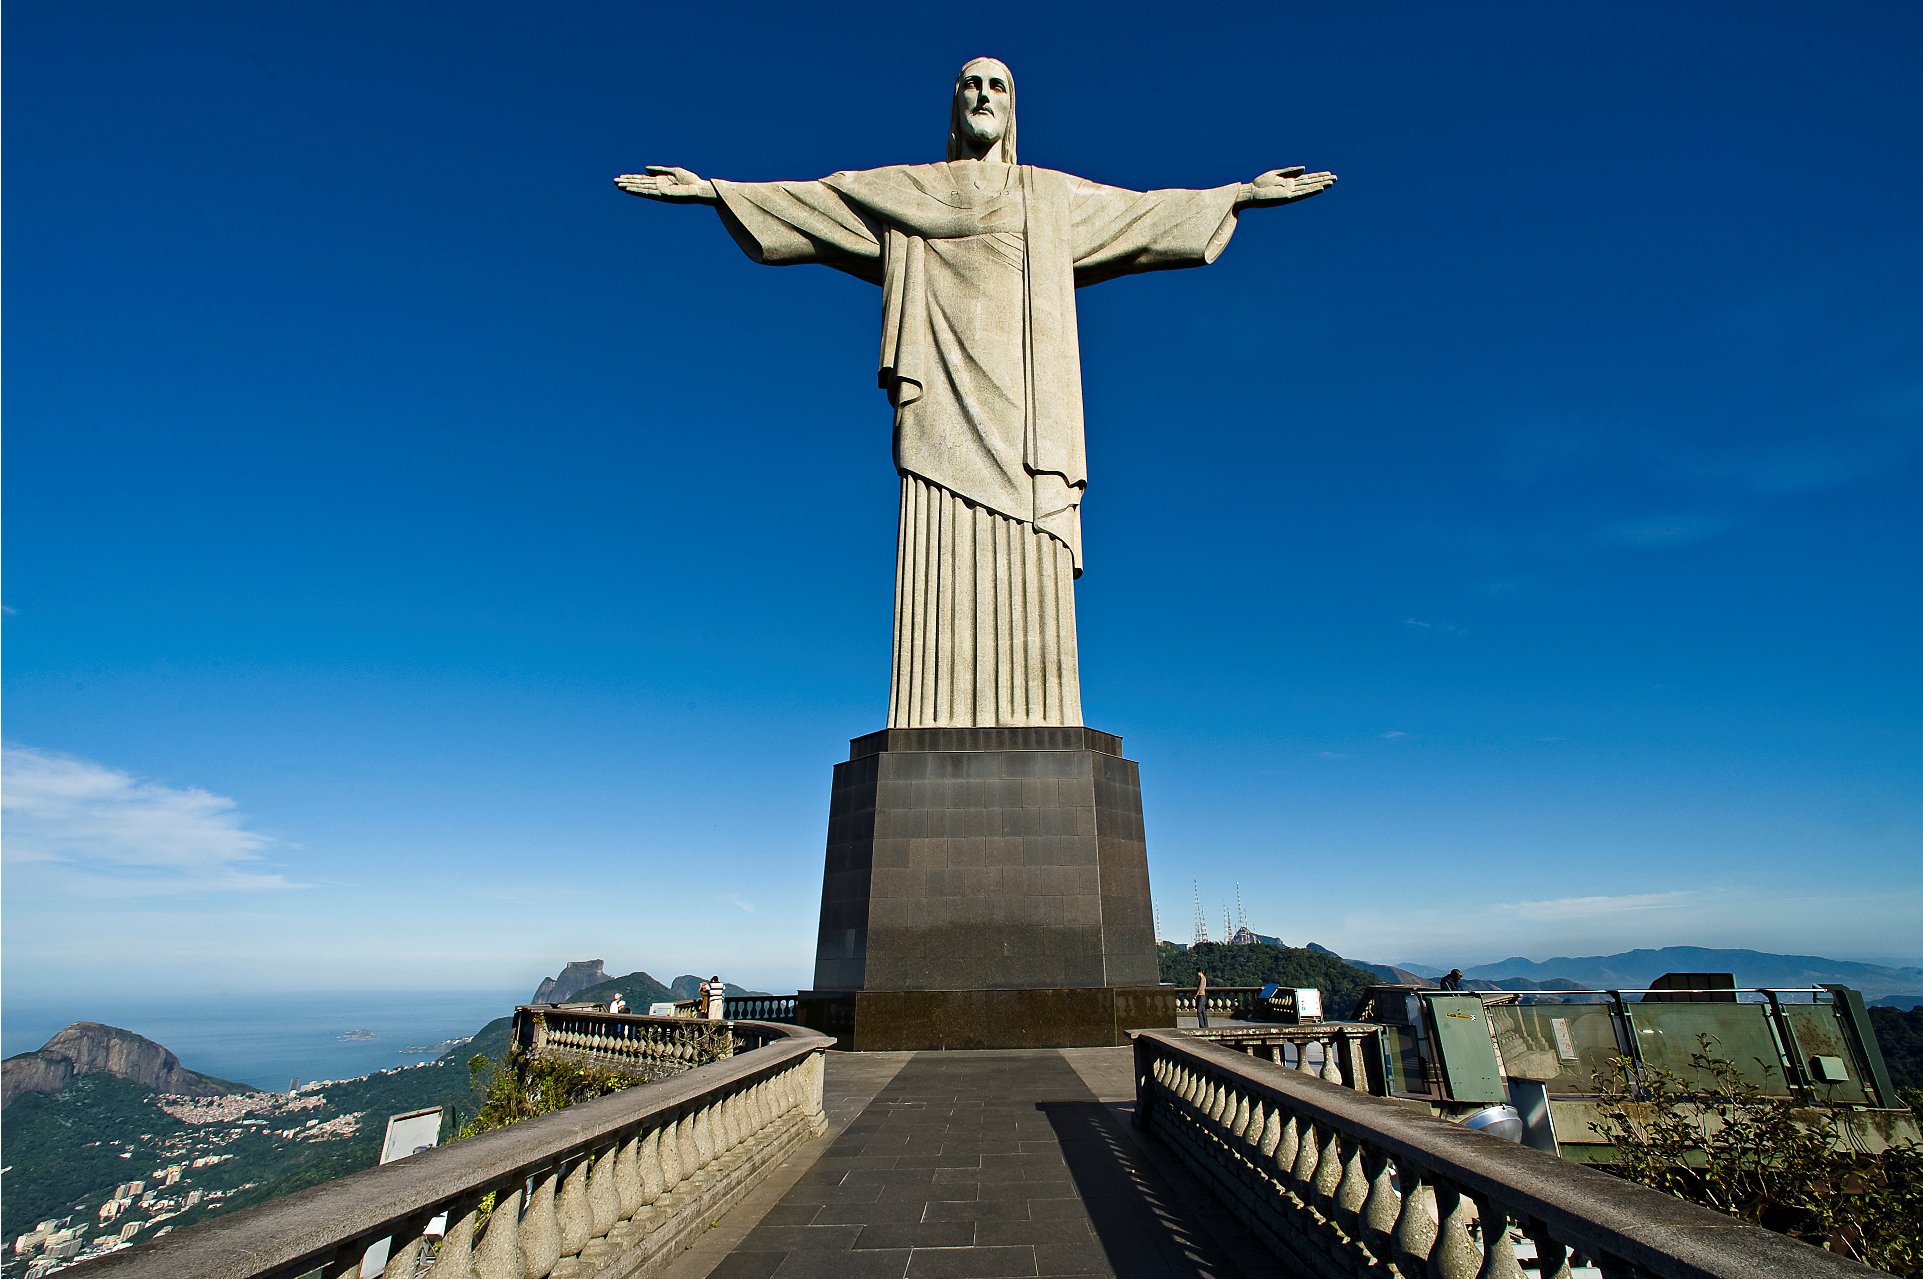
<point x="972" y="860"/>
<point x="984" y="1164"/>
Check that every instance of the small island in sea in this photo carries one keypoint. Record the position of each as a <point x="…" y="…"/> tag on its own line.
<point x="359" y="1033"/>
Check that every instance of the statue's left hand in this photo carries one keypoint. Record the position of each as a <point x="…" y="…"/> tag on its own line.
<point x="1283" y="186"/>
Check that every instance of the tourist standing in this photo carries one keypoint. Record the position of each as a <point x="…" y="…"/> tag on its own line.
<point x="1201" y="1000"/>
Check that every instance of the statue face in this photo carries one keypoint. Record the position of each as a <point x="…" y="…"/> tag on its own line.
<point x="984" y="102"/>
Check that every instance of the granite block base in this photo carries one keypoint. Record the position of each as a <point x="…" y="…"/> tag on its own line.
<point x="991" y="883"/>
<point x="913" y="1020"/>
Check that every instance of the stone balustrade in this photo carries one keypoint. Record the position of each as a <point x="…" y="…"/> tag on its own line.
<point x="1345" y="1184"/>
<point x="1224" y="1001"/>
<point x="1341" y="1052"/>
<point x="647" y="1047"/>
<point x="613" y="1187"/>
<point x="779" y="1009"/>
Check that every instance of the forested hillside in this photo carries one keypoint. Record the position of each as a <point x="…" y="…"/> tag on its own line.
<point x="1340" y="981"/>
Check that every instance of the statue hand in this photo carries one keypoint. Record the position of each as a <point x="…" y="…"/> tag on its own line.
<point x="1281" y="186"/>
<point x="664" y="182"/>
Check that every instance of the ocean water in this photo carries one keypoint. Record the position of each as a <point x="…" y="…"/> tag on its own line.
<point x="269" y="1040"/>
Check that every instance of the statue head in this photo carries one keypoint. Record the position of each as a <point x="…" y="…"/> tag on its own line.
<point x="983" y="110"/>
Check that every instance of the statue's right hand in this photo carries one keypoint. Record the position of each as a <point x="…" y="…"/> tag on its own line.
<point x="664" y="182"/>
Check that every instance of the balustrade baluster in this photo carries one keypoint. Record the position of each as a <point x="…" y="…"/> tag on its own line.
<point x="1287" y="1146"/>
<point x="648" y="1165"/>
<point x="1415" y="1232"/>
<point x="1378" y="1217"/>
<point x="734" y="1109"/>
<point x="541" y="1226"/>
<point x="1455" y="1255"/>
<point x="499" y="1254"/>
<point x="454" y="1255"/>
<point x="1302" y="1175"/>
<point x="1302" y="1062"/>
<point x="1249" y="1156"/>
<point x="1352" y="1191"/>
<point x="573" y="1215"/>
<point x="689" y="1144"/>
<point x="668" y="1151"/>
<point x="1328" y="1174"/>
<point x="704" y="1133"/>
<point x="1270" y="1139"/>
<point x="604" y="1194"/>
<point x="1331" y="1064"/>
<point x="1498" y="1249"/>
<point x="1552" y="1255"/>
<point x="628" y="1187"/>
<point x="405" y="1247"/>
<point x="1238" y="1124"/>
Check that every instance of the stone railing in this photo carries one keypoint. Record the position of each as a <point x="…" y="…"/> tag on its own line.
<point x="1341" y="1052"/>
<point x="651" y="1047"/>
<point x="1224" y="1001"/>
<point x="775" y="1008"/>
<point x="1344" y="1184"/>
<point x="616" y="1186"/>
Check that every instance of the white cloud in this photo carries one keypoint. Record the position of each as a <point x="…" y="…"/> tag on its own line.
<point x="1394" y="735"/>
<point x="1574" y="909"/>
<point x="1445" y="628"/>
<point x="90" y="827"/>
<point x="1332" y="755"/>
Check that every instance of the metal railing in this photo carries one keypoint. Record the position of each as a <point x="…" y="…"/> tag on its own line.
<point x="627" y="1178"/>
<point x="1346" y="1184"/>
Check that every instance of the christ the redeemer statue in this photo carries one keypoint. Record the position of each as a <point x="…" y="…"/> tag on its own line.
<point x="978" y="259"/>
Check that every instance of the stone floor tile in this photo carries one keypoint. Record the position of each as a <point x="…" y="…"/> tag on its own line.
<point x="802" y="1238"/>
<point x="970" y="1263"/>
<point x="919" y="1234"/>
<point x="877" y="1264"/>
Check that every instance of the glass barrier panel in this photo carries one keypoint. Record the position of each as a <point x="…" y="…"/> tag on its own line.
<point x="1567" y="1048"/>
<point x="1669" y="1034"/>
<point x="1819" y="1034"/>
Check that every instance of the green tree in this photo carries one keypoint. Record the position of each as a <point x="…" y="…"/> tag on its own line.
<point x="1721" y="1142"/>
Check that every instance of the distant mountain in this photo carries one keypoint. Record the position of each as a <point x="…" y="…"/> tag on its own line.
<point x="573" y="979"/>
<point x="637" y="989"/>
<point x="688" y="986"/>
<point x="89" y="1048"/>
<point x="1635" y="969"/>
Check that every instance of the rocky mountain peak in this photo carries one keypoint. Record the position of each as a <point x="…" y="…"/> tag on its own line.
<point x="89" y="1048"/>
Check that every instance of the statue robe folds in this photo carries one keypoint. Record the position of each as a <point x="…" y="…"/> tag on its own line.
<point x="978" y="265"/>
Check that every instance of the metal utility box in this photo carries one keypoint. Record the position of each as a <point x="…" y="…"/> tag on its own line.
<point x="1465" y="1048"/>
<point x="1292" y="1006"/>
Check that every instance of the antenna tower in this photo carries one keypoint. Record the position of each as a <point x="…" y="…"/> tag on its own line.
<point x="1242" y="916"/>
<point x="1201" y="921"/>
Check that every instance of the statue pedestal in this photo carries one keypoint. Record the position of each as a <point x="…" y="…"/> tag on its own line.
<point x="985" y="888"/>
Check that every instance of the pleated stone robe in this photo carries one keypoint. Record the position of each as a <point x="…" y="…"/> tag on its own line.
<point x="978" y="264"/>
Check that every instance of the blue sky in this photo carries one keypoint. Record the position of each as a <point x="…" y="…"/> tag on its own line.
<point x="425" y="565"/>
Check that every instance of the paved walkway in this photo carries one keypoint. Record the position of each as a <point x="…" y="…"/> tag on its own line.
<point x="971" y="1165"/>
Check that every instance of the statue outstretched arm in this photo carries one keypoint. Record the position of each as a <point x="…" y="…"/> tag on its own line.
<point x="665" y="182"/>
<point x="1283" y="186"/>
